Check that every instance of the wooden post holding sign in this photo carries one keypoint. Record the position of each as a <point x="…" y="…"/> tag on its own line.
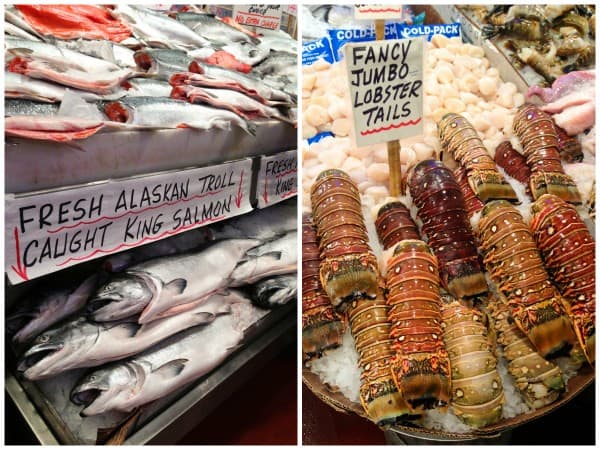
<point x="386" y="90"/>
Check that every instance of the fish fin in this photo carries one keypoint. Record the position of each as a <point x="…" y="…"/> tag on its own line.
<point x="176" y="286"/>
<point x="172" y="368"/>
<point x="251" y="128"/>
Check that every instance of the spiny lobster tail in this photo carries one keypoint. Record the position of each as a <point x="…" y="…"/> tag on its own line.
<point x="459" y="137"/>
<point x="568" y="251"/>
<point x="538" y="137"/>
<point x="515" y="265"/>
<point x="322" y="327"/>
<point x="513" y="163"/>
<point x="348" y="267"/>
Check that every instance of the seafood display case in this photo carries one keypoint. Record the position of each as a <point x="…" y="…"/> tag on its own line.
<point x="420" y="313"/>
<point x="186" y="199"/>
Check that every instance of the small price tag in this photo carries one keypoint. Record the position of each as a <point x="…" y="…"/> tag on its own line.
<point x="278" y="178"/>
<point x="263" y="16"/>
<point x="377" y="12"/>
<point x="386" y="89"/>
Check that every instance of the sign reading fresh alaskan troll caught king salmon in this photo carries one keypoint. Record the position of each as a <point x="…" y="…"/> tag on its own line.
<point x="48" y="232"/>
<point x="278" y="178"/>
<point x="386" y="89"/>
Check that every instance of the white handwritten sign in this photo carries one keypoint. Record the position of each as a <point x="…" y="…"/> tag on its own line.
<point x="263" y="16"/>
<point x="51" y="231"/>
<point x="386" y="89"/>
<point x="376" y="12"/>
<point x="278" y="178"/>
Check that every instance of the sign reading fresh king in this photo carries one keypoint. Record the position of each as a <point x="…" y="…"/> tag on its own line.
<point x="386" y="89"/>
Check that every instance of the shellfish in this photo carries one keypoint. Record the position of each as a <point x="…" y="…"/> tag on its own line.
<point x="348" y="266"/>
<point x="539" y="380"/>
<point x="322" y="327"/>
<point x="477" y="394"/>
<point x="567" y="249"/>
<point x="459" y="137"/>
<point x="538" y="137"/>
<point x="472" y="203"/>
<point x="370" y="326"/>
<point x="441" y="208"/>
<point x="513" y="163"/>
<point x="569" y="148"/>
<point x="515" y="265"/>
<point x="420" y="366"/>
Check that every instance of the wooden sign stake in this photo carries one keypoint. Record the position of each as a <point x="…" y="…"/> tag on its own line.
<point x="393" y="147"/>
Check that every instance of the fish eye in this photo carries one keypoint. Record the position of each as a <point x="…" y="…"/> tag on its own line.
<point x="92" y="377"/>
<point x="44" y="338"/>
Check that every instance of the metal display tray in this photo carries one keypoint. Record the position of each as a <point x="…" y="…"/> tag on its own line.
<point x="36" y="165"/>
<point x="166" y="418"/>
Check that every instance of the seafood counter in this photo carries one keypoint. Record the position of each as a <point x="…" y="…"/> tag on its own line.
<point x="466" y="306"/>
<point x="127" y="339"/>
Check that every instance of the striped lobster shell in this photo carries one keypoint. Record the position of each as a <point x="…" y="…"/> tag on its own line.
<point x="322" y="327"/>
<point x="567" y="249"/>
<point x="477" y="394"/>
<point x="348" y="266"/>
<point x="459" y="137"/>
<point x="394" y="224"/>
<point x="472" y="204"/>
<point x="420" y="366"/>
<point x="441" y="208"/>
<point x="515" y="265"/>
<point x="370" y="328"/>
<point x="539" y="380"/>
<point x="537" y="134"/>
<point x="514" y="164"/>
<point x="569" y="148"/>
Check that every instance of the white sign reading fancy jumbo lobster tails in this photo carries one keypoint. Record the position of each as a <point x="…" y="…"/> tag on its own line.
<point x="386" y="89"/>
<point x="51" y="231"/>
<point x="278" y="178"/>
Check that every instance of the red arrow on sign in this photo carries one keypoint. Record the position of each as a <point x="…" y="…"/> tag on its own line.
<point x="265" y="194"/>
<point x="19" y="270"/>
<point x="238" y="200"/>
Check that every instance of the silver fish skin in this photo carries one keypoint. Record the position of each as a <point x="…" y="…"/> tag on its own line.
<point x="161" y="63"/>
<point x="275" y="291"/>
<point x="81" y="343"/>
<point x="159" y="112"/>
<point x="146" y="87"/>
<point x="264" y="224"/>
<point x="173" y="245"/>
<point x="211" y="28"/>
<point x="164" y="284"/>
<point x="22" y="107"/>
<point x="16" y="31"/>
<point x="237" y="102"/>
<point x="278" y="64"/>
<point x="20" y="86"/>
<point x="278" y="41"/>
<point x="158" y="30"/>
<point x="54" y="305"/>
<point x="174" y="363"/>
<point x="103" y="49"/>
<point x="276" y="257"/>
<point x="49" y="62"/>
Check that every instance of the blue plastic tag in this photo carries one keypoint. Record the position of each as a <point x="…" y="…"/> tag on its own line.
<point x="411" y="31"/>
<point x="318" y="137"/>
<point x="314" y="50"/>
<point x="340" y="37"/>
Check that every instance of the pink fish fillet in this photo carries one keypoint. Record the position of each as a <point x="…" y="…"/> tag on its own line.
<point x="58" y="129"/>
<point x="564" y="85"/>
<point x="576" y="119"/>
<point x="567" y="101"/>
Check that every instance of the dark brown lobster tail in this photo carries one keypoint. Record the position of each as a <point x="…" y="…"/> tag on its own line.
<point x="348" y="266"/>
<point x="538" y="137"/>
<point x="472" y="203"/>
<point x="441" y="208"/>
<point x="459" y="137"/>
<point x="567" y="248"/>
<point x="420" y="365"/>
<point x="515" y="265"/>
<point x="394" y="224"/>
<point x="322" y="327"/>
<point x="569" y="148"/>
<point x="513" y="163"/>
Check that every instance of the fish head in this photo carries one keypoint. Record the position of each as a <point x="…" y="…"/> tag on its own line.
<point x="123" y="296"/>
<point x="277" y="290"/>
<point x="56" y="349"/>
<point x="107" y="388"/>
<point x="18" y="320"/>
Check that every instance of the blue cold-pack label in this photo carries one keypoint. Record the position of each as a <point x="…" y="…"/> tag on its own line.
<point x="411" y="31"/>
<point x="314" y="50"/>
<point x="318" y="137"/>
<point x="340" y="37"/>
